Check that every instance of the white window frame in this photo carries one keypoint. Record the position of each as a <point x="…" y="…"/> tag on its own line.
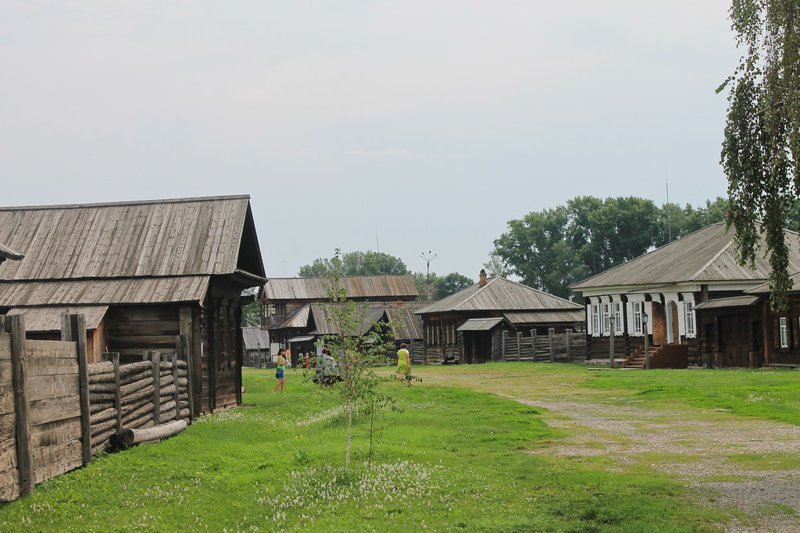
<point x="784" y="332"/>
<point x="691" y="326"/>
<point x="619" y="327"/>
<point x="596" y="320"/>
<point x="606" y="318"/>
<point x="637" y="318"/>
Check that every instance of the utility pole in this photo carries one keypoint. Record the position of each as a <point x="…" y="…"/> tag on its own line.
<point x="428" y="258"/>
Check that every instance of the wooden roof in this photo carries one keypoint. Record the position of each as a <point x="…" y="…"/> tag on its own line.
<point x="707" y="255"/>
<point x="727" y="303"/>
<point x="255" y="339"/>
<point x="405" y="323"/>
<point x="480" y="324"/>
<point x="325" y="324"/>
<point x="764" y="287"/>
<point x="49" y="318"/>
<point x="106" y="291"/>
<point x="545" y="317"/>
<point x="8" y="253"/>
<point x="499" y="294"/>
<point x="316" y="289"/>
<point x="192" y="236"/>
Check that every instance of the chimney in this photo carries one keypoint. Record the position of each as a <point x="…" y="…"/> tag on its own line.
<point x="482" y="280"/>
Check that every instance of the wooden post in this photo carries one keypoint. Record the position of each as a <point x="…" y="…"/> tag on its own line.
<point x="114" y="356"/>
<point x="568" y="341"/>
<point x="551" y="333"/>
<point x="238" y="347"/>
<point x="503" y="335"/>
<point x="183" y="354"/>
<point x="15" y="325"/>
<point x="155" y="357"/>
<point x="73" y="329"/>
<point x="174" y="359"/>
<point x="519" y="345"/>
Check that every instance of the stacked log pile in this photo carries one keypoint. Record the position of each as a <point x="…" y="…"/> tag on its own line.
<point x="134" y="396"/>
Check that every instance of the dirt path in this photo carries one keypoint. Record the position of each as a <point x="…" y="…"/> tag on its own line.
<point x="746" y="465"/>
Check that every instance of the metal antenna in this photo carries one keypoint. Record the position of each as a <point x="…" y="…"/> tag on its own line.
<point x="669" y="222"/>
<point x="428" y="258"/>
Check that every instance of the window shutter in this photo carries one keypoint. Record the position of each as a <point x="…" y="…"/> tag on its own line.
<point x="629" y="318"/>
<point x="589" y="319"/>
<point x="648" y="308"/>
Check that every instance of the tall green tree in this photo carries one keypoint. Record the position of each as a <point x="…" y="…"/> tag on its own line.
<point x="554" y="248"/>
<point x="356" y="263"/>
<point x="452" y="283"/>
<point x="761" y="147"/>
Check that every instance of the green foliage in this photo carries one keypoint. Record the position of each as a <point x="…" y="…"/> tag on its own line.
<point x="554" y="248"/>
<point x="356" y="263"/>
<point x="251" y="314"/>
<point x="761" y="148"/>
<point x="356" y="350"/>
<point x="452" y="283"/>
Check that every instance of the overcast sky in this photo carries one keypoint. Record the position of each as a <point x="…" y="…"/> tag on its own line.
<point x="413" y="124"/>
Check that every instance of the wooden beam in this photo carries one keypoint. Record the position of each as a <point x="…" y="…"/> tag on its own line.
<point x="73" y="329"/>
<point x="117" y="397"/>
<point x="15" y="325"/>
<point x="155" y="357"/>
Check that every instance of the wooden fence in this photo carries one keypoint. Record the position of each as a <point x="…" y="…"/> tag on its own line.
<point x="567" y="346"/>
<point x="56" y="410"/>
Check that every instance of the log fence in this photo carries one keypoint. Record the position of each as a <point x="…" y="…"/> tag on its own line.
<point x="566" y="346"/>
<point x="57" y="410"/>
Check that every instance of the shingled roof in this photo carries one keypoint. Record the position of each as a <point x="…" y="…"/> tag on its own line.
<point x="499" y="294"/>
<point x="316" y="289"/>
<point x="707" y="255"/>
<point x="132" y="252"/>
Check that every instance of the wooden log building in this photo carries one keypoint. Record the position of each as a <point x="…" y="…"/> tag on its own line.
<point x="469" y="324"/>
<point x="142" y="273"/>
<point x="292" y="313"/>
<point x="688" y="297"/>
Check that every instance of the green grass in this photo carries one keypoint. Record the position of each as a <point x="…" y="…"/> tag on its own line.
<point x="765" y="394"/>
<point x="453" y="459"/>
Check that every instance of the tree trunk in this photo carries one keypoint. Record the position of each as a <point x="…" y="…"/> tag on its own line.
<point x="349" y="434"/>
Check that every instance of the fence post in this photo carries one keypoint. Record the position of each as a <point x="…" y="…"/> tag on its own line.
<point x="155" y="357"/>
<point x="15" y="325"/>
<point x="503" y="335"/>
<point x="73" y="329"/>
<point x="183" y="354"/>
<point x="117" y="396"/>
<point x="551" y="333"/>
<point x="175" y="384"/>
<point x="568" y="342"/>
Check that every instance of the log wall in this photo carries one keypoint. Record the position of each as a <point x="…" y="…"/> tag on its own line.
<point x="57" y="410"/>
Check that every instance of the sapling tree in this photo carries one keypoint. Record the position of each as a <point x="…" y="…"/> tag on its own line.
<point x="358" y="345"/>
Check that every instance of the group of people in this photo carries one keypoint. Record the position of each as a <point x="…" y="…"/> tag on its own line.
<point x="327" y="370"/>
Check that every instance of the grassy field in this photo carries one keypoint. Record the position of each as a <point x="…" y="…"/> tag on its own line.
<point x="454" y="457"/>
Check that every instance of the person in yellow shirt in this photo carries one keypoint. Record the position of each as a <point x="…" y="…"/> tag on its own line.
<point x="404" y="364"/>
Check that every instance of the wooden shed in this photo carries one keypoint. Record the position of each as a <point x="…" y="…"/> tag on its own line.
<point x="468" y="325"/>
<point x="149" y="271"/>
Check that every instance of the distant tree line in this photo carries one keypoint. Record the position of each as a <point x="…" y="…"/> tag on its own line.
<point x="370" y="263"/>
<point x="554" y="248"/>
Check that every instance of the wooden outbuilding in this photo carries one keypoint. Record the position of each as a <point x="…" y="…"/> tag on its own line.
<point x="293" y="310"/>
<point x="144" y="273"/>
<point x="469" y="324"/>
<point x="661" y="293"/>
<point x="256" y="346"/>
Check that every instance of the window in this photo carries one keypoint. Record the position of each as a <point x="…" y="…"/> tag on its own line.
<point x="618" y="325"/>
<point x="688" y="307"/>
<point x="596" y="319"/>
<point x="784" y="332"/>
<point x="637" y="318"/>
<point x="606" y="319"/>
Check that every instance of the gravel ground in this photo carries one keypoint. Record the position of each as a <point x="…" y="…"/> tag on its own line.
<point x="705" y="443"/>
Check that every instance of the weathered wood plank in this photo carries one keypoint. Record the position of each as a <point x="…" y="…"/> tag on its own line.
<point x="45" y="366"/>
<point x="43" y="387"/>
<point x="58" y="349"/>
<point x="52" y="461"/>
<point x="53" y="409"/>
<point x="6" y="399"/>
<point x="16" y="325"/>
<point x="5" y="346"/>
<point x="56" y="433"/>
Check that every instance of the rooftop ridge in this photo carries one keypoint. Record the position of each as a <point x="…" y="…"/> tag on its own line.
<point x="127" y="203"/>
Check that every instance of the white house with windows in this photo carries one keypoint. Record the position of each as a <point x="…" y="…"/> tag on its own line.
<point x="656" y="294"/>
